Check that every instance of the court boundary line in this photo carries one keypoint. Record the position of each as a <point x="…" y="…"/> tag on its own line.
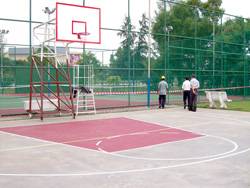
<point x="126" y="171"/>
<point x="235" y="147"/>
<point x="66" y="142"/>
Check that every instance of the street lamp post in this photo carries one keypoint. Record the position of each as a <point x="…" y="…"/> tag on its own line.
<point x="48" y="12"/>
<point x="168" y="30"/>
<point x="2" y="33"/>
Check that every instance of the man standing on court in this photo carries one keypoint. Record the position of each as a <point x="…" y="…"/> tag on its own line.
<point x="195" y="84"/>
<point x="186" y="92"/>
<point x="162" y="91"/>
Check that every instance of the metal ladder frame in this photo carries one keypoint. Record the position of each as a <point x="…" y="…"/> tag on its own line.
<point x="86" y="80"/>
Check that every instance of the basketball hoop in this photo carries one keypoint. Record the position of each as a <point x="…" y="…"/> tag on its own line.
<point x="82" y="36"/>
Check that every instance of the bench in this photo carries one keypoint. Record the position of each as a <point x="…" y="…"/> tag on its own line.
<point x="220" y="96"/>
<point x="35" y="105"/>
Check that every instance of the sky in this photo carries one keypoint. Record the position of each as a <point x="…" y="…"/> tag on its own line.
<point x="113" y="14"/>
<point x="237" y="7"/>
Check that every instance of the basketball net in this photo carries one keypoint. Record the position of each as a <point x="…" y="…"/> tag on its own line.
<point x="83" y="36"/>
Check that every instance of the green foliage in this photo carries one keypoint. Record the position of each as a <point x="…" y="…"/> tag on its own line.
<point x="10" y="68"/>
<point x="127" y="33"/>
<point x="132" y="54"/>
<point x="139" y="55"/>
<point x="212" y="10"/>
<point x="113" y="80"/>
<point x="119" y="63"/>
<point x="243" y="105"/>
<point x="200" y="43"/>
<point x="88" y="58"/>
<point x="141" y="44"/>
<point x="45" y="61"/>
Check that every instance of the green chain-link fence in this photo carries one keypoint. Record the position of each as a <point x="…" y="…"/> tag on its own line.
<point x="187" y="38"/>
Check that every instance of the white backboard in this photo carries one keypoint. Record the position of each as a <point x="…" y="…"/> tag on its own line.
<point x="76" y="23"/>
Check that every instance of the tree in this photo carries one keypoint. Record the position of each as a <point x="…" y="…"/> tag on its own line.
<point x="141" y="48"/>
<point x="192" y="22"/>
<point x="119" y="63"/>
<point x="127" y="33"/>
<point x="121" y="59"/>
<point x="113" y="80"/>
<point x="212" y="9"/>
<point x="235" y="35"/>
<point x="141" y="44"/>
<point x="16" y="72"/>
<point x="88" y="58"/>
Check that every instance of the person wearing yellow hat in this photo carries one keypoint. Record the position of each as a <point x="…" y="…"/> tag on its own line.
<point x="162" y="92"/>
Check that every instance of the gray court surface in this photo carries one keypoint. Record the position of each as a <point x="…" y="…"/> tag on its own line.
<point x="220" y="158"/>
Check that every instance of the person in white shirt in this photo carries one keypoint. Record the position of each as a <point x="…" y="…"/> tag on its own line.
<point x="162" y="91"/>
<point x="195" y="84"/>
<point x="186" y="92"/>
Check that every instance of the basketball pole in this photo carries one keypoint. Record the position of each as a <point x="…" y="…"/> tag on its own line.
<point x="149" y="52"/>
<point x="30" y="28"/>
<point x="30" y="54"/>
<point x="83" y="46"/>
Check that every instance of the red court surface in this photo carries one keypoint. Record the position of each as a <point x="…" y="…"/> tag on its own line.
<point x="110" y="135"/>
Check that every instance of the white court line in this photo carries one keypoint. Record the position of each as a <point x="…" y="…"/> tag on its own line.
<point x="169" y="133"/>
<point x="235" y="147"/>
<point x="98" y="143"/>
<point x="134" y="134"/>
<point x="110" y="137"/>
<point x="164" y="143"/>
<point x="126" y="171"/>
<point x="52" y="143"/>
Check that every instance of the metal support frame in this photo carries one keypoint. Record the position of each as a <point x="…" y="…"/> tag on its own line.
<point x="57" y="74"/>
<point x="64" y="98"/>
<point x="83" y="75"/>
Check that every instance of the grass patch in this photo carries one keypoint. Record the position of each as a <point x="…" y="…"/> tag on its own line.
<point x="243" y="105"/>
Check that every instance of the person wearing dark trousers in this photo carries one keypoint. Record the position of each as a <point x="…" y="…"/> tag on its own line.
<point x="186" y="92"/>
<point x="195" y="84"/>
<point x="162" y="91"/>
